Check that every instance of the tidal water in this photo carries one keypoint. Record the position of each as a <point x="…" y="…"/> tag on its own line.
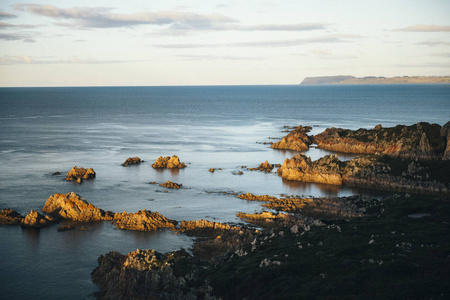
<point x="44" y="130"/>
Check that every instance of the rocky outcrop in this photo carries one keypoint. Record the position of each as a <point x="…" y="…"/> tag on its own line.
<point x="171" y="185"/>
<point x="296" y="140"/>
<point x="143" y="220"/>
<point x="35" y="219"/>
<point x="168" y="162"/>
<point x="264" y="167"/>
<point x="73" y="207"/>
<point x="445" y="133"/>
<point x="269" y="219"/>
<point x="10" y="217"/>
<point x="251" y="197"/>
<point x="421" y="141"/>
<point x="375" y="172"/>
<point x="147" y="274"/>
<point x="324" y="170"/>
<point x="205" y="228"/>
<point x="79" y="174"/>
<point x="132" y="161"/>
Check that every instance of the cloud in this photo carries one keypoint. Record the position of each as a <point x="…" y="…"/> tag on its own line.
<point x="103" y="17"/>
<point x="25" y="59"/>
<point x="16" y="37"/>
<point x="424" y="65"/>
<point x="425" y="28"/>
<point x="4" y="25"/>
<point x="433" y="43"/>
<point x="328" y="54"/>
<point x="337" y="38"/>
<point x="214" y="57"/>
<point x="441" y="54"/>
<point x="5" y="15"/>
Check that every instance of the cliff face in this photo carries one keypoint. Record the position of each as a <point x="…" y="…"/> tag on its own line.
<point x="376" y="172"/>
<point x="296" y="140"/>
<point x="421" y="141"/>
<point x="73" y="207"/>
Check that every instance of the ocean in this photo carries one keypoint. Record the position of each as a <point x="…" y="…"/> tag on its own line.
<point x="44" y="130"/>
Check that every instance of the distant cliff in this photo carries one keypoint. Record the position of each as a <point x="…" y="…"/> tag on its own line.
<point x="375" y="80"/>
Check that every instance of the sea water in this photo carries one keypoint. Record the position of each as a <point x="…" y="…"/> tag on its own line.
<point x="44" y="130"/>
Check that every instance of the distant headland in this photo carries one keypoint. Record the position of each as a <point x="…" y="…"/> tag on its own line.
<point x="347" y="79"/>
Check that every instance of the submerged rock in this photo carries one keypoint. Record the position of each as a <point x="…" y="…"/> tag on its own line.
<point x="79" y="174"/>
<point x="143" y="220"/>
<point x="132" y="161"/>
<point x="10" y="217"/>
<point x="72" y="206"/>
<point x="296" y="140"/>
<point x="35" y="219"/>
<point x="65" y="228"/>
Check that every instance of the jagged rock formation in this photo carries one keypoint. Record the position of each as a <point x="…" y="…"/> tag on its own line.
<point x="10" y="217"/>
<point x="132" y="161"/>
<point x="147" y="274"/>
<point x="269" y="219"/>
<point x="251" y="197"/>
<point x="296" y="140"/>
<point x="35" y="219"/>
<point x="79" y="174"/>
<point x="445" y="133"/>
<point x="264" y="167"/>
<point x="324" y="170"/>
<point x="73" y="207"/>
<point x="168" y="162"/>
<point x="143" y="220"/>
<point x="376" y="172"/>
<point x="171" y="185"/>
<point x="419" y="141"/>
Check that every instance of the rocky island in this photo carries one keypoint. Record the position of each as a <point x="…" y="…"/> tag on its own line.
<point x="79" y="174"/>
<point x="169" y="163"/>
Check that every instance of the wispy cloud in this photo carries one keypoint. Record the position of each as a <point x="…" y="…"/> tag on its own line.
<point x="446" y="55"/>
<point x="5" y="15"/>
<point x="4" y="25"/>
<point x="218" y="57"/>
<point x="433" y="43"/>
<point x="328" y="54"/>
<point x="25" y="59"/>
<point x="17" y="37"/>
<point x="103" y="17"/>
<point x="337" y="38"/>
<point x="425" y="28"/>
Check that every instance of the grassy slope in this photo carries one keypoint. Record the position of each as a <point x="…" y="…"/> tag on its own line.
<point x="344" y="264"/>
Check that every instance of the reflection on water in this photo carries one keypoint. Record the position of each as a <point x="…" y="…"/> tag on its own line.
<point x="312" y="188"/>
<point x="32" y="237"/>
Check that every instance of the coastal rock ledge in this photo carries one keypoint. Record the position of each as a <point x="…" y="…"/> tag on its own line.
<point x="143" y="220"/>
<point x="168" y="162"/>
<point x="71" y="206"/>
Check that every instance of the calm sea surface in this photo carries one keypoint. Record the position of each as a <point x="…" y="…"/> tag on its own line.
<point x="44" y="130"/>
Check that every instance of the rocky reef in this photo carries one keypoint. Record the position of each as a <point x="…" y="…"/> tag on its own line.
<point x="168" y="162"/>
<point x="10" y="217"/>
<point x="171" y="185"/>
<point x="421" y="141"/>
<point x="79" y="174"/>
<point x="71" y="206"/>
<point x="132" y="161"/>
<point x="374" y="171"/>
<point x="143" y="220"/>
<point x="296" y="140"/>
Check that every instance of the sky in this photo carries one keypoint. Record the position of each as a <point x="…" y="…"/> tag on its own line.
<point x="199" y="42"/>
